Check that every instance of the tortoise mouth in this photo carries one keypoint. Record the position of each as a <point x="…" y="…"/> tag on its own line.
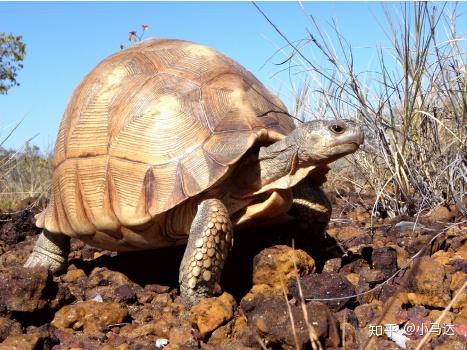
<point x="343" y="149"/>
<point x="356" y="144"/>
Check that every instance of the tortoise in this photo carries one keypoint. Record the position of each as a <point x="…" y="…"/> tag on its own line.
<point x="169" y="142"/>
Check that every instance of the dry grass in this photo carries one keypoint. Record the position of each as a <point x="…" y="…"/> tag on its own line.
<point x="412" y="104"/>
<point x="23" y="173"/>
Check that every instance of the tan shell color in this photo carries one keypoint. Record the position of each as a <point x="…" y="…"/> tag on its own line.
<point x="149" y="127"/>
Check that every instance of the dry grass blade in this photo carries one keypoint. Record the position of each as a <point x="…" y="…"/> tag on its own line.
<point x="315" y="343"/>
<point x="344" y="320"/>
<point x="292" y="321"/>
<point x="11" y="132"/>
<point x="427" y="336"/>
<point x="261" y="343"/>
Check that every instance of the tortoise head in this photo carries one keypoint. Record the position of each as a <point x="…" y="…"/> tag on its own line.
<point x="323" y="141"/>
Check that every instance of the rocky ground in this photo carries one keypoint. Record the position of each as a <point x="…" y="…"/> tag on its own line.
<point x="109" y="301"/>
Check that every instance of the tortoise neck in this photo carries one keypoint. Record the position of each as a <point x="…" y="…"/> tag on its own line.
<point x="277" y="160"/>
<point x="264" y="165"/>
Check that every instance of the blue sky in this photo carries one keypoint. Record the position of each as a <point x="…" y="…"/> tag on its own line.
<point x="66" y="40"/>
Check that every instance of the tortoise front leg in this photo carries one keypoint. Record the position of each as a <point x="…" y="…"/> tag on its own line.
<point x="208" y="244"/>
<point x="311" y="207"/>
<point x="51" y="251"/>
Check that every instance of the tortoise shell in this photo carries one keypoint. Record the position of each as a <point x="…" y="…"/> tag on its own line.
<point x="150" y="127"/>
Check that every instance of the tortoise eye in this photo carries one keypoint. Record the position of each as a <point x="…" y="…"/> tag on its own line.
<point x="336" y="128"/>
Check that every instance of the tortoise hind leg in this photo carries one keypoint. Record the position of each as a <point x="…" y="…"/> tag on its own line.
<point x="208" y="244"/>
<point x="51" y="251"/>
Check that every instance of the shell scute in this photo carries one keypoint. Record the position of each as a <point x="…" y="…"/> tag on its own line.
<point x="162" y="119"/>
<point x="85" y="128"/>
<point x="128" y="198"/>
<point x="94" y="189"/>
<point x="190" y="61"/>
<point x="226" y="148"/>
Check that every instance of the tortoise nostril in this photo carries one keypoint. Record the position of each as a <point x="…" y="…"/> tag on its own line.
<point x="338" y="129"/>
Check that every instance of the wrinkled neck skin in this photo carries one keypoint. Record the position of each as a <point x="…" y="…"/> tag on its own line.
<point x="265" y="165"/>
<point x="277" y="160"/>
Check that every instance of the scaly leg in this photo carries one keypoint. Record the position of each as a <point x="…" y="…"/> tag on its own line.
<point x="51" y="251"/>
<point x="311" y="207"/>
<point x="208" y="244"/>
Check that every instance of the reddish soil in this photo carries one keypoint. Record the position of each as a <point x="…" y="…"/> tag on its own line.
<point x="106" y="300"/>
